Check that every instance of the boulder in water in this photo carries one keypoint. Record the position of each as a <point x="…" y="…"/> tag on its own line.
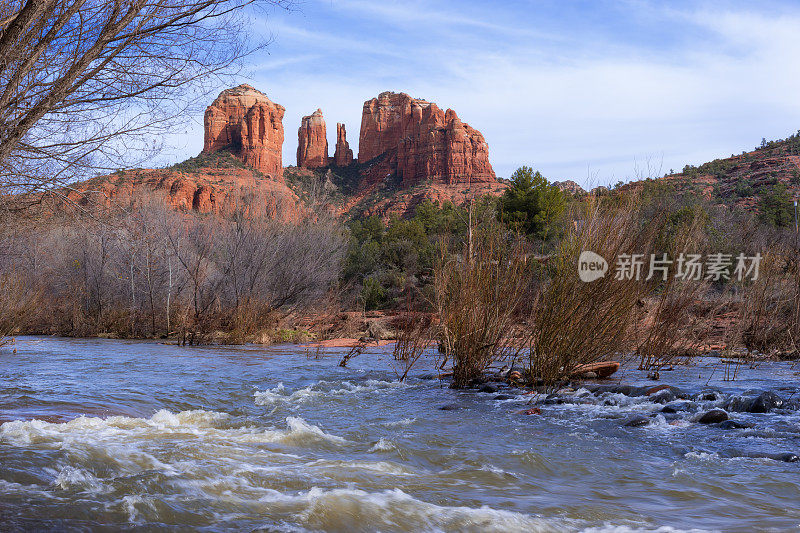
<point x="734" y="424"/>
<point x="504" y="397"/>
<point x="662" y="396"/>
<point x="713" y="416"/>
<point x="763" y="403"/>
<point x="766" y="402"/>
<point x="657" y="388"/>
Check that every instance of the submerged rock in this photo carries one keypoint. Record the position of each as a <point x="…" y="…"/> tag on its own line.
<point x="662" y="396"/>
<point x="450" y="407"/>
<point x="786" y="457"/>
<point x="488" y="388"/>
<point x="713" y="416"/>
<point x="504" y="397"/>
<point x="735" y="424"/>
<point x="636" y="421"/>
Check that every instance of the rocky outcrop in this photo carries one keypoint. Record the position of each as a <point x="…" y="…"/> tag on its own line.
<point x="418" y="141"/>
<point x="570" y="187"/>
<point x="343" y="155"/>
<point x="312" y="142"/>
<point x="245" y="122"/>
<point x="214" y="191"/>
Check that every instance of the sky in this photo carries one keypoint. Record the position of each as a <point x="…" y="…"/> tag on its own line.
<point x="596" y="91"/>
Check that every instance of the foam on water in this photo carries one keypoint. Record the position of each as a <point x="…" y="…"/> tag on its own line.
<point x="323" y="390"/>
<point x="628" y="529"/>
<point x="350" y="509"/>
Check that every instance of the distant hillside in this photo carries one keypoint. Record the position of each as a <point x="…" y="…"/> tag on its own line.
<point x="751" y="180"/>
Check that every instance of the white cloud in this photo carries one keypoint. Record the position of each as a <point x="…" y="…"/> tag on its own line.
<point x="559" y="101"/>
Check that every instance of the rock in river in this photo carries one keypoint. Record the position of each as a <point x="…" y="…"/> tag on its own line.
<point x="766" y="402"/>
<point x="734" y="424"/>
<point x="504" y="397"/>
<point x="713" y="416"/>
<point x="636" y="421"/>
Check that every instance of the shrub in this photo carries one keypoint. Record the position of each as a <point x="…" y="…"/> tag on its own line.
<point x="478" y="293"/>
<point x="577" y="322"/>
<point x="373" y="294"/>
<point x="776" y="207"/>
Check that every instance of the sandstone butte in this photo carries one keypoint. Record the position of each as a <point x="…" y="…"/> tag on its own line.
<point x="246" y="122"/>
<point x="312" y="142"/>
<point x="431" y="152"/>
<point x="343" y="155"/>
<point x="417" y="141"/>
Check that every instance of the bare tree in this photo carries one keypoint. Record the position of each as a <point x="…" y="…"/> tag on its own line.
<point x="88" y="85"/>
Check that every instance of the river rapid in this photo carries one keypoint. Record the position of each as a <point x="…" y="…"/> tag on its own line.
<point x="106" y="435"/>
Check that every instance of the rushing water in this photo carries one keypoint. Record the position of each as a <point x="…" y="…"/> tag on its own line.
<point x="114" y="435"/>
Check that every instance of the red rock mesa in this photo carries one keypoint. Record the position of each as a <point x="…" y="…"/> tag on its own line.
<point x="418" y="141"/>
<point x="244" y="121"/>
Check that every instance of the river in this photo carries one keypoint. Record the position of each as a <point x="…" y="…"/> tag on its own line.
<point x="107" y="435"/>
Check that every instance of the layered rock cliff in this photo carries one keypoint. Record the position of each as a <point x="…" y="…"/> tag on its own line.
<point x="248" y="124"/>
<point x="312" y="142"/>
<point x="343" y="155"/>
<point x="417" y="141"/>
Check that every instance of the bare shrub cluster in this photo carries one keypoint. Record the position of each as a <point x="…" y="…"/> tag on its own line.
<point x="155" y="272"/>
<point x="479" y="294"/>
<point x="577" y="323"/>
<point x="17" y="302"/>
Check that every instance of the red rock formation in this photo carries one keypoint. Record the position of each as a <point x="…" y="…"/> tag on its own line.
<point x="244" y="121"/>
<point x="418" y="141"/>
<point x="343" y="155"/>
<point x="312" y="142"/>
<point x="216" y="191"/>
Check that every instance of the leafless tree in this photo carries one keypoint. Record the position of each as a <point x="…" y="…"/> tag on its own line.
<point x="89" y="85"/>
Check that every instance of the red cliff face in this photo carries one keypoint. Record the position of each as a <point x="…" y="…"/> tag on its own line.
<point x="312" y="142"/>
<point x="216" y="191"/>
<point x="420" y="142"/>
<point x="343" y="155"/>
<point x="244" y="121"/>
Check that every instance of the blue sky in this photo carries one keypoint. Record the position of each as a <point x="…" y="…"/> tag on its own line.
<point x="594" y="91"/>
